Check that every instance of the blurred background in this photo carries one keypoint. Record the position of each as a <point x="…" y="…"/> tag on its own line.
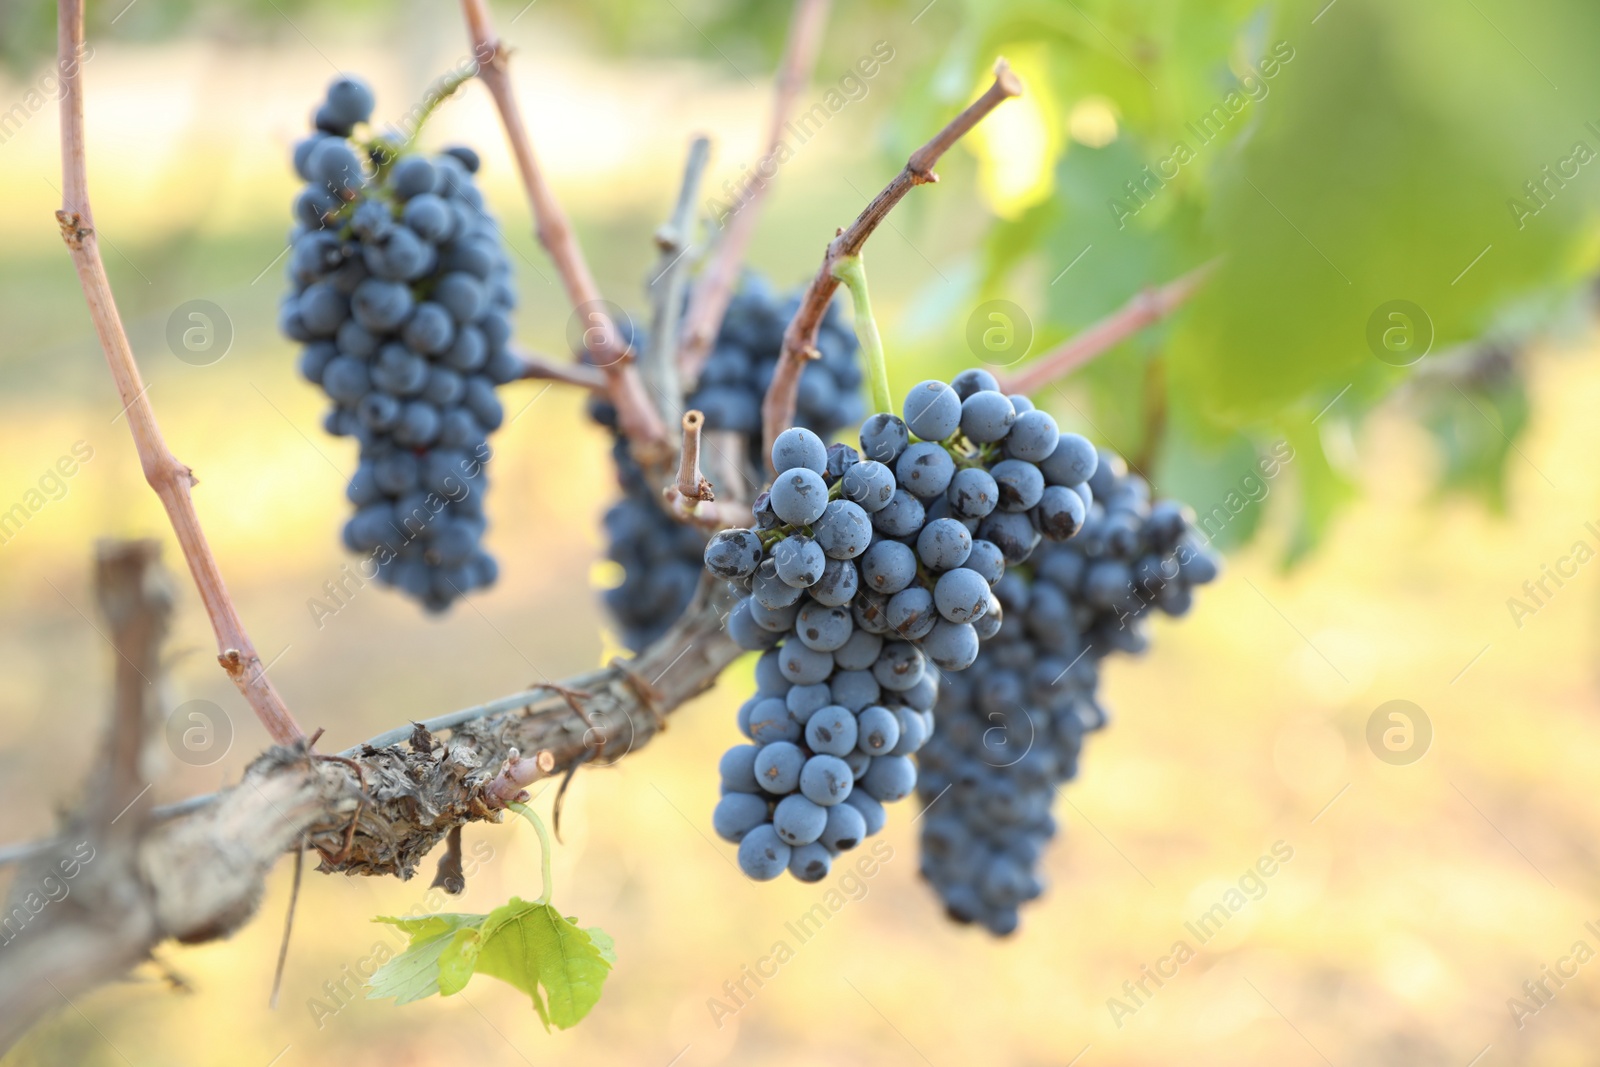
<point x="1403" y="197"/>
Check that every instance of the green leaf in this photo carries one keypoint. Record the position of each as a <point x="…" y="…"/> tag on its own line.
<point x="602" y="941"/>
<point x="560" y="965"/>
<point x="459" y="960"/>
<point x="532" y="946"/>
<point x="414" y="973"/>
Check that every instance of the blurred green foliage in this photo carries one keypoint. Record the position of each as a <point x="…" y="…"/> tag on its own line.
<point x="1337" y="157"/>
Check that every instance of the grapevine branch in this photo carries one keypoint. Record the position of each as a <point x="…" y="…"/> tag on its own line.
<point x="636" y="416"/>
<point x="196" y="871"/>
<point x="715" y="289"/>
<point x="579" y="374"/>
<point x="799" y="340"/>
<point x="117" y="866"/>
<point x="170" y="479"/>
<point x="1144" y="308"/>
<point x="674" y="240"/>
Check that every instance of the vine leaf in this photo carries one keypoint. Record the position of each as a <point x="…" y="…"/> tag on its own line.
<point x="560" y="965"/>
<point x="414" y="973"/>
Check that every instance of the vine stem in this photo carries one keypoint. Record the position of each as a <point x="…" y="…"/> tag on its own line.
<point x="637" y="417"/>
<point x="669" y="281"/>
<point x="547" y="883"/>
<point x="1144" y="308"/>
<point x="170" y="479"/>
<point x="799" y="340"/>
<point x="853" y="273"/>
<point x="542" y="368"/>
<point x="709" y="301"/>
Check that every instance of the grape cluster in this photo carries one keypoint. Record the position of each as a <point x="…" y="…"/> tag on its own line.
<point x="1011" y="727"/>
<point x="401" y="295"/>
<point x="862" y="570"/>
<point x="660" y="556"/>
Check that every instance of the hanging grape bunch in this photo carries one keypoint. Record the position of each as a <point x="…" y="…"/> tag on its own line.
<point x="1011" y="727"/>
<point x="402" y="294"/>
<point x="658" y="554"/>
<point x="866" y="575"/>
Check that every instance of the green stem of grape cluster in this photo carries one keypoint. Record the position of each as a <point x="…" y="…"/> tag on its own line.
<point x="853" y="274"/>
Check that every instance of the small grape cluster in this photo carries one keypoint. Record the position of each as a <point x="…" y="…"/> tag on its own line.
<point x="1011" y="727"/>
<point x="863" y="568"/>
<point x="659" y="555"/>
<point x="401" y="295"/>
<point x="736" y="375"/>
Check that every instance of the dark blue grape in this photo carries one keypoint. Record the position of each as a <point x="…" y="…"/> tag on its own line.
<point x="870" y="484"/>
<point x="932" y="411"/>
<point x="798" y="447"/>
<point x="762" y="854"/>
<point x="799" y="496"/>
<point x="925" y="469"/>
<point x="429" y="217"/>
<point x="987" y="416"/>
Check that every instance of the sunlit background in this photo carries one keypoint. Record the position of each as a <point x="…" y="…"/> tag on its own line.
<point x="1373" y="165"/>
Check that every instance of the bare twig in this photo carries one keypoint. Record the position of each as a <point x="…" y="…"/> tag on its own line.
<point x="579" y="374"/>
<point x="288" y="923"/>
<point x="715" y="289"/>
<point x="674" y="239"/>
<point x="516" y="774"/>
<point x="1144" y="308"/>
<point x="799" y="340"/>
<point x="691" y="483"/>
<point x="170" y="479"/>
<point x="636" y="416"/>
<point x="690" y="498"/>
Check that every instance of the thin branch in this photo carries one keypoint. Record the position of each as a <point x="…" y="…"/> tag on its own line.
<point x="170" y="479"/>
<point x="799" y="340"/>
<point x="715" y="289"/>
<point x="691" y="483"/>
<point x="580" y="374"/>
<point x="288" y="924"/>
<point x="636" y="416"/>
<point x="1144" y="308"/>
<point x="690" y="498"/>
<point x="667" y="284"/>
